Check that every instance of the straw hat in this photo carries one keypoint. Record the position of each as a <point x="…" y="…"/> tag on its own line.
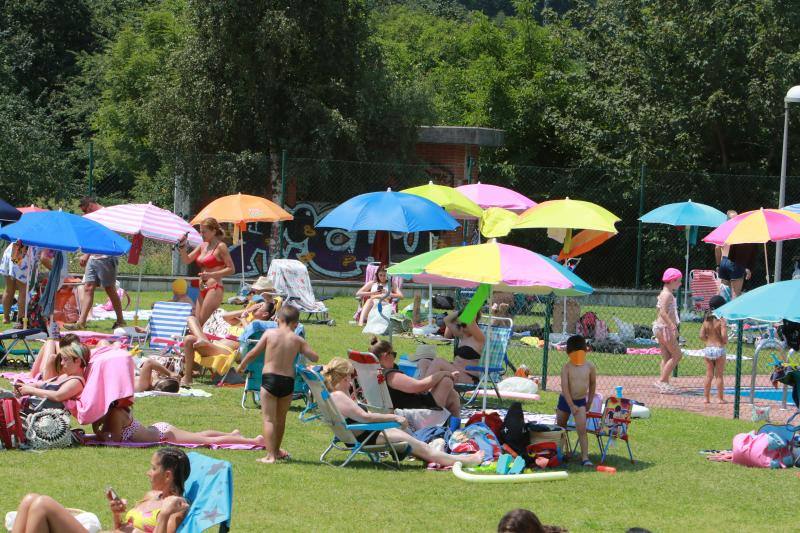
<point x="424" y="351"/>
<point x="263" y="284"/>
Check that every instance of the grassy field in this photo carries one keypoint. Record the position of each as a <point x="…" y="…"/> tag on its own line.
<point x="670" y="488"/>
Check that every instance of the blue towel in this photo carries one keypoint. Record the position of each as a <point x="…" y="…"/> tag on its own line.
<point x="209" y="491"/>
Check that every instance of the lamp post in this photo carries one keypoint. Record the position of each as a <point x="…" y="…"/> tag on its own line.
<point x="792" y="96"/>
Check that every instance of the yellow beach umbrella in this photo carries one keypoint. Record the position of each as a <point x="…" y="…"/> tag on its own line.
<point x="454" y="202"/>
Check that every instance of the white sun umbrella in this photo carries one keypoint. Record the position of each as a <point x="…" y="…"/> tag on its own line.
<point x="150" y="221"/>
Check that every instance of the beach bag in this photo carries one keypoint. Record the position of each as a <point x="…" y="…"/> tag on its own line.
<point x="378" y="322"/>
<point x="545" y="454"/>
<point x="762" y="450"/>
<point x="443" y="301"/>
<point x="400" y="323"/>
<point x="587" y="324"/>
<point x="48" y="429"/>
<point x="11" y="432"/>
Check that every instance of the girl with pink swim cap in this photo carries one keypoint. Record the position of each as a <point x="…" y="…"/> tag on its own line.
<point x="665" y="328"/>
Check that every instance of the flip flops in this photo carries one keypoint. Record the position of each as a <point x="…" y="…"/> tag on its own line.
<point x="508" y="465"/>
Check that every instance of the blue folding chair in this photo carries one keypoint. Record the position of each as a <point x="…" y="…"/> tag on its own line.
<point x="209" y="491"/>
<point x="168" y="323"/>
<point x="496" y="349"/>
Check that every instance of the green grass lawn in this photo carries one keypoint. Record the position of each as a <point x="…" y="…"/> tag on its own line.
<point x="670" y="488"/>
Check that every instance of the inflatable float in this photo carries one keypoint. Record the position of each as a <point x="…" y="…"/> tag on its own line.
<point x="497" y="478"/>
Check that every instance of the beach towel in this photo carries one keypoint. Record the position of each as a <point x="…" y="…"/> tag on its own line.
<point x="109" y="377"/>
<point x="184" y="393"/>
<point x="209" y="490"/>
<point x="290" y="277"/>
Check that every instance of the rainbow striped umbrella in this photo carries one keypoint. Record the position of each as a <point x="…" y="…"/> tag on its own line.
<point x="758" y="226"/>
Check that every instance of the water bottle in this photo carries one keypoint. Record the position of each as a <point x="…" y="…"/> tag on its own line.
<point x="619" y="391"/>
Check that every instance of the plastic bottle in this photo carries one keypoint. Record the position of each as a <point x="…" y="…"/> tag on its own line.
<point x="606" y="469"/>
<point x="619" y="391"/>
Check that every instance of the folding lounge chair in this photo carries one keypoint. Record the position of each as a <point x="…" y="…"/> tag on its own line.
<point x="167" y="326"/>
<point x="209" y="491"/>
<point x="369" y="275"/>
<point x="496" y="350"/>
<point x="290" y="277"/>
<point x="375" y="393"/>
<point x="12" y="338"/>
<point x="344" y="439"/>
<point x="613" y="424"/>
<point x="703" y="284"/>
<point x="254" y="369"/>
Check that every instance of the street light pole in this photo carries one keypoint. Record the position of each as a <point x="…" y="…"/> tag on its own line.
<point x="792" y="96"/>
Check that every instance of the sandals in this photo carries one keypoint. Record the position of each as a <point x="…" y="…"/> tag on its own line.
<point x="587" y="462"/>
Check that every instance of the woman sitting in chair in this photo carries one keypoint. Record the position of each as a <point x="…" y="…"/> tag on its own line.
<point x="467" y="352"/>
<point x="338" y="374"/>
<point x="434" y="391"/>
<point x="161" y="509"/>
<point x="374" y="291"/>
<point x="67" y="384"/>
<point x="198" y="340"/>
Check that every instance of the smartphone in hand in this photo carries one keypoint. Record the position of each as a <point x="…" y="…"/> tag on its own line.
<point x="111" y="494"/>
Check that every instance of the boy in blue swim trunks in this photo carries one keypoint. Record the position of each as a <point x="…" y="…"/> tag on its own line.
<point x="578" y="383"/>
<point x="280" y="347"/>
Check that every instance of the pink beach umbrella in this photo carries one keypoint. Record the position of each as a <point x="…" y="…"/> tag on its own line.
<point x="486" y="196"/>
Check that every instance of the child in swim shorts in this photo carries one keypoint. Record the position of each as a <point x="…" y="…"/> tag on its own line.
<point x="578" y="383"/>
<point x="714" y="334"/>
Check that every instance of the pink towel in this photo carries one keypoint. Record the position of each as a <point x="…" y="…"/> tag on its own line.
<point x="108" y="378"/>
<point x="90" y="440"/>
<point x="643" y="351"/>
<point x="24" y="377"/>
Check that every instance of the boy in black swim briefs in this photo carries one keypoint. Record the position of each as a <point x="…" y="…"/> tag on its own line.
<point x="280" y="347"/>
<point x="578" y="383"/>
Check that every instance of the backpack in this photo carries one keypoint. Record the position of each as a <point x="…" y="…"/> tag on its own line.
<point x="763" y="450"/>
<point x="587" y="324"/>
<point x="514" y="432"/>
<point x="443" y="301"/>
<point x="11" y="432"/>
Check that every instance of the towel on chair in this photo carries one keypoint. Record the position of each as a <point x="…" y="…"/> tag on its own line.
<point x="109" y="377"/>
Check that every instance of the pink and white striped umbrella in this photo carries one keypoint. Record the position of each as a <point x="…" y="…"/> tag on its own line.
<point x="151" y="221"/>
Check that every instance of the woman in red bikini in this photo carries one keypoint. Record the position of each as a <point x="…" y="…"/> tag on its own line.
<point x="214" y="261"/>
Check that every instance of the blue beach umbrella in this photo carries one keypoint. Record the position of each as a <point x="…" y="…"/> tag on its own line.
<point x="8" y="213"/>
<point x="768" y="303"/>
<point x="689" y="214"/>
<point x="58" y="230"/>
<point x="389" y="211"/>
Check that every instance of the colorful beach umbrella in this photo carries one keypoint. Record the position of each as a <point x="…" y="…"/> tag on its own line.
<point x="584" y="242"/>
<point x="688" y="214"/>
<point x="151" y="221"/>
<point x="239" y="210"/>
<point x="453" y="201"/>
<point x="497" y="222"/>
<point x="8" y="213"/>
<point x="568" y="214"/>
<point x="63" y="231"/>
<point x="486" y="196"/>
<point x="768" y="303"/>
<point x="148" y="221"/>
<point x="758" y="226"/>
<point x="503" y="266"/>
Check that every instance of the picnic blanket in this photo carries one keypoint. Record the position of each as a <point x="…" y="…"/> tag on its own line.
<point x="91" y="440"/>
<point x="98" y="313"/>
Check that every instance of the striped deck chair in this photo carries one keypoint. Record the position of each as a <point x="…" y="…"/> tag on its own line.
<point x="496" y="349"/>
<point x="344" y="439"/>
<point x="167" y="325"/>
<point x="703" y="284"/>
<point x="209" y="491"/>
<point x="369" y="275"/>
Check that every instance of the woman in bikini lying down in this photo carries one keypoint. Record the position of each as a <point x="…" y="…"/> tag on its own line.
<point x="162" y="508"/>
<point x="119" y="426"/>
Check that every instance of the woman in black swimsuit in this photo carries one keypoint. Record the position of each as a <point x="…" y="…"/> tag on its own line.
<point x="432" y="392"/>
<point x="469" y="346"/>
<point x="67" y="385"/>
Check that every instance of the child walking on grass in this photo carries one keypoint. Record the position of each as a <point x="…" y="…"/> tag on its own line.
<point x="665" y="329"/>
<point x="578" y="383"/>
<point x="280" y="347"/>
<point x="714" y="334"/>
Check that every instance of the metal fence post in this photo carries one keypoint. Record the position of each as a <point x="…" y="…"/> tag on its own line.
<point x="642" y="173"/>
<point x="738" y="385"/>
<point x="548" y="313"/>
<point x="91" y="169"/>
<point x="283" y="201"/>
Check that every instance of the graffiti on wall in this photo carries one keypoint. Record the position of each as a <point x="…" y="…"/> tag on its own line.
<point x="336" y="253"/>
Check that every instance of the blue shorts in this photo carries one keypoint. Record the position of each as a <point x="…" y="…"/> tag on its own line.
<point x="564" y="406"/>
<point x="729" y="270"/>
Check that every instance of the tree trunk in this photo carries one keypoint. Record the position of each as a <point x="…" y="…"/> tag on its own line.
<point x="275" y="190"/>
<point x="723" y="152"/>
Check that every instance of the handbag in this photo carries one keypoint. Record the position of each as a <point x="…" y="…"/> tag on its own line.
<point x="48" y="429"/>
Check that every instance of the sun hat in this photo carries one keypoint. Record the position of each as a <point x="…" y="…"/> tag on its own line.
<point x="671" y="274"/>
<point x="424" y="351"/>
<point x="263" y="284"/>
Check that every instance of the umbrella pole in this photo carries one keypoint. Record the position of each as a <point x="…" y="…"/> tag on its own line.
<point x="430" y="286"/>
<point x="485" y="377"/>
<point x="766" y="262"/>
<point x="241" y="254"/>
<point x="686" y="274"/>
<point x="138" y="296"/>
